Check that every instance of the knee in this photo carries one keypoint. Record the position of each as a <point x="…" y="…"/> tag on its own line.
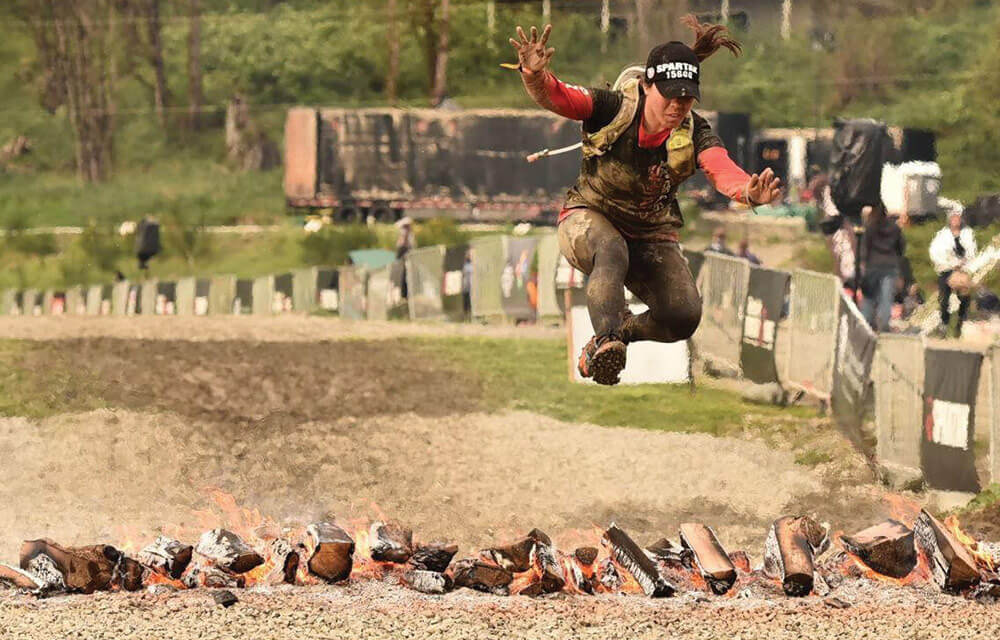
<point x="611" y="250"/>
<point x="679" y="322"/>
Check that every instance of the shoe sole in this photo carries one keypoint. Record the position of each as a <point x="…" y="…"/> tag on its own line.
<point x="607" y="364"/>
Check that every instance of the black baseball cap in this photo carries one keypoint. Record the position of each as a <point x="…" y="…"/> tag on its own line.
<point x="674" y="69"/>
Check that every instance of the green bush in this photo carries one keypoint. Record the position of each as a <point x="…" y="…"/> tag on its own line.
<point x="330" y="245"/>
<point x="444" y="231"/>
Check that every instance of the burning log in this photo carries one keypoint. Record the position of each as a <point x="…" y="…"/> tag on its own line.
<point x="434" y="556"/>
<point x="167" y="557"/>
<point x="228" y="551"/>
<point x="791" y="545"/>
<point x="390" y="543"/>
<point x="130" y="575"/>
<point x="709" y="556"/>
<point x="547" y="567"/>
<point x="740" y="560"/>
<point x="514" y="557"/>
<point x="887" y="548"/>
<point x="18" y="578"/>
<point x="951" y="564"/>
<point x="44" y="570"/>
<point x="586" y="555"/>
<point x="608" y="576"/>
<point x="634" y="560"/>
<point x="667" y="551"/>
<point x="574" y="572"/>
<point x="432" y="582"/>
<point x="85" y="569"/>
<point x="481" y="576"/>
<point x="285" y="561"/>
<point x="212" y="577"/>
<point x="540" y="536"/>
<point x="330" y="550"/>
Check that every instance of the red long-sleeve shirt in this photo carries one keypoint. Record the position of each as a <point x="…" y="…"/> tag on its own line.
<point x="571" y="101"/>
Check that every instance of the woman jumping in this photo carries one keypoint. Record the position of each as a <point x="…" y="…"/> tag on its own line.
<point x="620" y="220"/>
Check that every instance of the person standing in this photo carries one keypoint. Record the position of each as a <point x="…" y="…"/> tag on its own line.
<point x="745" y="253"/>
<point x="951" y="250"/>
<point x="882" y="248"/>
<point x="718" y="244"/>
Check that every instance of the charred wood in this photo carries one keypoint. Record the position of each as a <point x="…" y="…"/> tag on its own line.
<point x="228" y="551"/>
<point x="225" y="598"/>
<point x="514" y="557"/>
<point x="330" y="550"/>
<point x="631" y="558"/>
<point x="390" y="542"/>
<point x="432" y="582"/>
<point x="167" y="556"/>
<point x="709" y="556"/>
<point x="84" y="569"/>
<point x="434" y="556"/>
<point x="286" y="562"/>
<point x="789" y="551"/>
<point x="586" y="555"/>
<point x="887" y="548"/>
<point x="740" y="560"/>
<point x="15" y="578"/>
<point x="212" y="577"/>
<point x="482" y="576"/>
<point x="546" y="565"/>
<point x="951" y="564"/>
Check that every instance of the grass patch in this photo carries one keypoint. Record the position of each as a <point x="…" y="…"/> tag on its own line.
<point x="532" y="375"/>
<point x="988" y="497"/>
<point x="812" y="457"/>
<point x="31" y="393"/>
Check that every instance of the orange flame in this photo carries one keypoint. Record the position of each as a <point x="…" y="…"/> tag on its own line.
<point x="984" y="558"/>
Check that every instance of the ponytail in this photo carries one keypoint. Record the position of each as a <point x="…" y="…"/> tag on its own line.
<point x="709" y="38"/>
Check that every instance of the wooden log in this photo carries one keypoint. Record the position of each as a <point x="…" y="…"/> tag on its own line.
<point x="586" y="555"/>
<point x="330" y="550"/>
<point x="709" y="556"/>
<point x="482" y="576"/>
<point x="608" y="576"/>
<point x="951" y="564"/>
<point x="432" y="582"/>
<point x="130" y="575"/>
<point x="15" y="578"/>
<point x="665" y="550"/>
<point x="888" y="548"/>
<point x="390" y="542"/>
<point x="284" y="562"/>
<point x="167" y="557"/>
<point x="546" y="565"/>
<point x="540" y="536"/>
<point x="212" y="577"/>
<point x="228" y="551"/>
<point x="631" y="558"/>
<point x="740" y="560"/>
<point x="788" y="553"/>
<point x="434" y="556"/>
<point x="514" y="557"/>
<point x="84" y="569"/>
<point x="44" y="570"/>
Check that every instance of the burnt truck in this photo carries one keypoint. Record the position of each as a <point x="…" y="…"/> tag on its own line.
<point x="469" y="164"/>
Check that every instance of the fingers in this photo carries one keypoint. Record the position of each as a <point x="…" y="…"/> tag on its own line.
<point x="514" y="43"/>
<point x="549" y="53"/>
<point x="545" y="35"/>
<point x="520" y="34"/>
<point x="534" y="34"/>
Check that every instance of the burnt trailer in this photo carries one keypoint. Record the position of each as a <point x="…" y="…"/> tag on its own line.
<point x="468" y="164"/>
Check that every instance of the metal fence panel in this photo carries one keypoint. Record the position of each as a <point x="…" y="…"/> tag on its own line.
<point x="488" y="259"/>
<point x="29" y="302"/>
<point x="424" y="279"/>
<point x="74" y="300"/>
<point x="184" y="296"/>
<point x="147" y="297"/>
<point x="304" y="293"/>
<point x="353" y="298"/>
<point x="93" y="302"/>
<point x="814" y="317"/>
<point x="263" y="296"/>
<point x="994" y="357"/>
<point x="724" y="283"/>
<point x="899" y="384"/>
<point x="119" y="298"/>
<point x="548" y="264"/>
<point x="48" y="299"/>
<point x="378" y="294"/>
<point x="222" y="294"/>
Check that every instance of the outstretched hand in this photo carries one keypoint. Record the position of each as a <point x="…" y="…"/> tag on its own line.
<point x="532" y="54"/>
<point x="764" y="188"/>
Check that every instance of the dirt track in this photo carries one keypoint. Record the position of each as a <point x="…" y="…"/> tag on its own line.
<point x="300" y="431"/>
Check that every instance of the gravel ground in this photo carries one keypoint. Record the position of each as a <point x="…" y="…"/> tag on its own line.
<point x="285" y="328"/>
<point x="377" y="610"/>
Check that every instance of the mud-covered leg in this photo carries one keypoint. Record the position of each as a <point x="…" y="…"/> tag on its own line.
<point x="594" y="246"/>
<point x="659" y="276"/>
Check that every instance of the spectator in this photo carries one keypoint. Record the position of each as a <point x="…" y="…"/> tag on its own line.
<point x="745" y="252"/>
<point x="951" y="250"/>
<point x="882" y="247"/>
<point x="467" y="285"/>
<point x="719" y="242"/>
<point x="405" y="242"/>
